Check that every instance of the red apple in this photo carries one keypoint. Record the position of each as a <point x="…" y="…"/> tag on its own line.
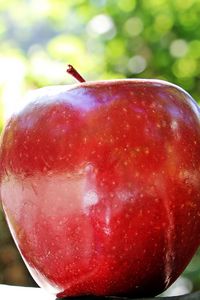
<point x="100" y="184"/>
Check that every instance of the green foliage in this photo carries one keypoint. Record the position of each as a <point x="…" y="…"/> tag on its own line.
<point x="103" y="39"/>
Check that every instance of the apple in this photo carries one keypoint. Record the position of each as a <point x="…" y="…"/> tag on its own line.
<point x="100" y="184"/>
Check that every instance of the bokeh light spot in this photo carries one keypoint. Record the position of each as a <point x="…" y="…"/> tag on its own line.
<point x="178" y="48"/>
<point x="126" y="5"/>
<point x="137" y="64"/>
<point x="133" y="26"/>
<point x="163" y="23"/>
<point x="102" y="25"/>
<point x="184" y="67"/>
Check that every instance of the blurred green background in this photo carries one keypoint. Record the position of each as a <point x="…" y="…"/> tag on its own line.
<point x="103" y="39"/>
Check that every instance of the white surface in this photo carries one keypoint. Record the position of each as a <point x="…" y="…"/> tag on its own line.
<point x="8" y="292"/>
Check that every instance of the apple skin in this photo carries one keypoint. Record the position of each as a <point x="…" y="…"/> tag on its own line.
<point x="100" y="184"/>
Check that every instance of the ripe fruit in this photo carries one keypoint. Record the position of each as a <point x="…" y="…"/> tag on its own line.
<point x="100" y="184"/>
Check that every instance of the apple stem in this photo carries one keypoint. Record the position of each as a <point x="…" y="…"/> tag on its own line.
<point x="70" y="70"/>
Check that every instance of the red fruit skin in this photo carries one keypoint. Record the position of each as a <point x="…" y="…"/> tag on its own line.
<point x="100" y="184"/>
